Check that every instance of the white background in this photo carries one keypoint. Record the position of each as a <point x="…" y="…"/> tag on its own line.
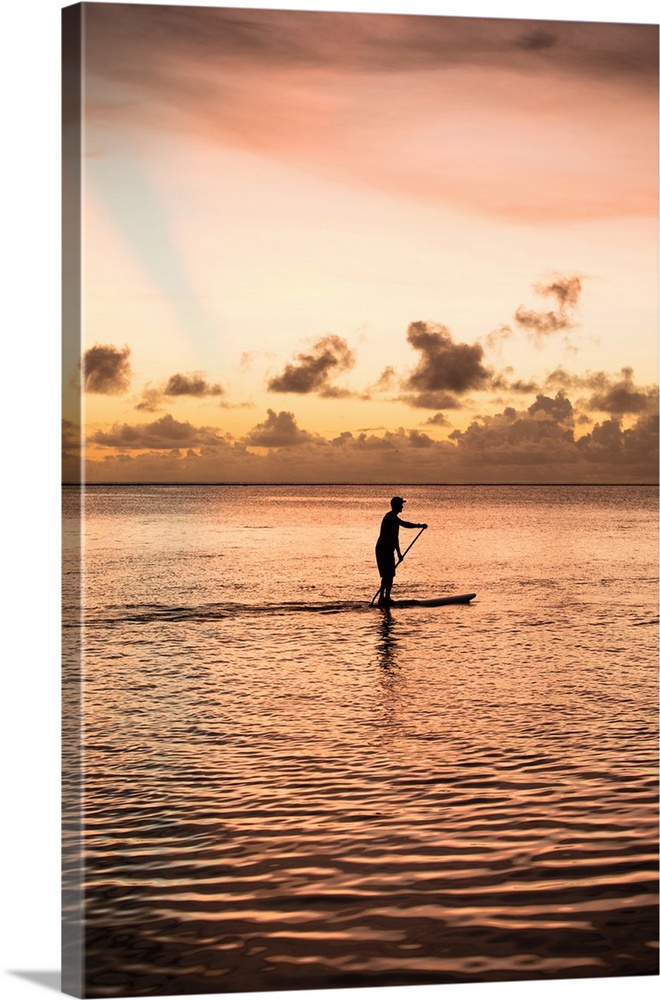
<point x="29" y="165"/>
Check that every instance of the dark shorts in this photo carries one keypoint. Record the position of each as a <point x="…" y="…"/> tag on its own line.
<point x="385" y="562"/>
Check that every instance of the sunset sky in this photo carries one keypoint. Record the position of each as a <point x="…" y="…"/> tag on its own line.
<point x="341" y="247"/>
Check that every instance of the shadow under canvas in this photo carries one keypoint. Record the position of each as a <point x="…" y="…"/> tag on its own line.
<point x="49" y="979"/>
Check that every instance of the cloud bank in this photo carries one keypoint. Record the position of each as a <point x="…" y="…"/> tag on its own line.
<point x="539" y="443"/>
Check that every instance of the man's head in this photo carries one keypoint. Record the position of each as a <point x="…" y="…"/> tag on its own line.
<point x="397" y="503"/>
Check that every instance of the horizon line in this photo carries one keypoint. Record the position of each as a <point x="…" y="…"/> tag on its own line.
<point x="389" y="485"/>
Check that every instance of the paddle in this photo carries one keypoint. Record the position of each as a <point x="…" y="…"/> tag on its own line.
<point x="399" y="561"/>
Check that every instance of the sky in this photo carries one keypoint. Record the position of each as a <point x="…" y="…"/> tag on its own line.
<point x="365" y="247"/>
<point x="31" y="296"/>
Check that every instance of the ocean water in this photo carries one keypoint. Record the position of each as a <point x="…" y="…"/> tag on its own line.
<point x="286" y="787"/>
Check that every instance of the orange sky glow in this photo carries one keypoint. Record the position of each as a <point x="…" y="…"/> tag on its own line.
<point x="342" y="247"/>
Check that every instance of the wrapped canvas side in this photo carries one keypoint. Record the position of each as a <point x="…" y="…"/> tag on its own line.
<point x="72" y="752"/>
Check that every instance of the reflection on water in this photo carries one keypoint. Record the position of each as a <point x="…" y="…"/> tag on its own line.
<point x="287" y="787"/>
<point x="390" y="678"/>
<point x="387" y="643"/>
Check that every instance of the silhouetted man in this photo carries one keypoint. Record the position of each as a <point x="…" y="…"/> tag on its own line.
<point x="388" y="544"/>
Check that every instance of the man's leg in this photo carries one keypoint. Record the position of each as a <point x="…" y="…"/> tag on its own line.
<point x="385" y="588"/>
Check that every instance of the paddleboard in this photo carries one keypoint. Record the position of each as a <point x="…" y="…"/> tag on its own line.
<point x="433" y="602"/>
